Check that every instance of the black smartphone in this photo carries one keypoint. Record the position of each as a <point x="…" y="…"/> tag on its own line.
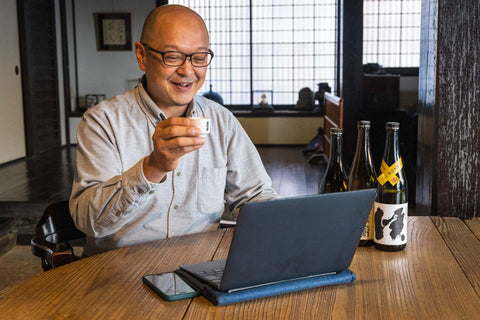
<point x="170" y="286"/>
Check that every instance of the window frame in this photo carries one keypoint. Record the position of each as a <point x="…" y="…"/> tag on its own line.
<point x="402" y="71"/>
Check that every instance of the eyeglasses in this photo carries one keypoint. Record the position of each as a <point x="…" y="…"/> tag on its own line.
<point x="177" y="58"/>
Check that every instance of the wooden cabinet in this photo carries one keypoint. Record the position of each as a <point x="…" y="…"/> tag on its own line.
<point x="381" y="91"/>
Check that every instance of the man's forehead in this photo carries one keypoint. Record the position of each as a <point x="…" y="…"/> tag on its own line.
<point x="177" y="24"/>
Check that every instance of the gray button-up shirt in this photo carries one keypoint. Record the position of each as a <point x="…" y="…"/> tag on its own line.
<point x="116" y="206"/>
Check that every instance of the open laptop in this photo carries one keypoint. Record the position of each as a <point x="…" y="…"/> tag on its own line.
<point x="289" y="238"/>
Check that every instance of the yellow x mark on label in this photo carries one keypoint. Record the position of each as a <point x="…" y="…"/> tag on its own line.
<point x="390" y="173"/>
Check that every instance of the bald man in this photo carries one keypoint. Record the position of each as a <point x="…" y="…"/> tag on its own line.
<point x="143" y="171"/>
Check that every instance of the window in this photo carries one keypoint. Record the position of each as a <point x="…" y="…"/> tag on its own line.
<point x="272" y="46"/>
<point x="279" y="47"/>
<point x="391" y="32"/>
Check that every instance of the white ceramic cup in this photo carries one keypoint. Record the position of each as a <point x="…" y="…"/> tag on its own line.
<point x="204" y="124"/>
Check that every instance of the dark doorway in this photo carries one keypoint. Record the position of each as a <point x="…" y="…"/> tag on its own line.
<point x="38" y="52"/>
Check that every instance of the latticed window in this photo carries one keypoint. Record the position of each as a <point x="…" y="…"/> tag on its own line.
<point x="272" y="46"/>
<point x="279" y="47"/>
<point x="391" y="32"/>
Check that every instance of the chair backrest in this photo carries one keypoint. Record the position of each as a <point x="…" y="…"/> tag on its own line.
<point x="53" y="234"/>
<point x="333" y="118"/>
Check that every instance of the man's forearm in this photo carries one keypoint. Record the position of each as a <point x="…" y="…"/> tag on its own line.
<point x="103" y="208"/>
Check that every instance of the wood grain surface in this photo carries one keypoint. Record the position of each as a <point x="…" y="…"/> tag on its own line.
<point x="465" y="245"/>
<point x="422" y="282"/>
<point x="448" y="134"/>
<point x="474" y="225"/>
<point x="436" y="277"/>
<point x="109" y="285"/>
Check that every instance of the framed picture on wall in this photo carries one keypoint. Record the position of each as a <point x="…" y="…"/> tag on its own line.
<point x="100" y="97"/>
<point x="90" y="100"/>
<point x="113" y="31"/>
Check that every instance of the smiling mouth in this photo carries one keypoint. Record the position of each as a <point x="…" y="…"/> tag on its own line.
<point x="182" y="84"/>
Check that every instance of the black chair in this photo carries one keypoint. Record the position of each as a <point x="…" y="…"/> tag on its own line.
<point x="53" y="234"/>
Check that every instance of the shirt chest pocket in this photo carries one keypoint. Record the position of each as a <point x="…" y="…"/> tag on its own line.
<point x="211" y="189"/>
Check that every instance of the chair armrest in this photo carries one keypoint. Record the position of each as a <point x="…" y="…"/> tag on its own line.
<point x="53" y="255"/>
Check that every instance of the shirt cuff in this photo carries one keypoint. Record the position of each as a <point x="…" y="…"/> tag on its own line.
<point x="152" y="184"/>
<point x="137" y="180"/>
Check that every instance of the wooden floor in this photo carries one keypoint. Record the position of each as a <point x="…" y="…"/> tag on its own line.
<point x="41" y="179"/>
<point x="28" y="186"/>
<point x="291" y="173"/>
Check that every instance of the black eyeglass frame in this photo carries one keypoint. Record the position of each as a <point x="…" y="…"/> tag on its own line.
<point x="185" y="56"/>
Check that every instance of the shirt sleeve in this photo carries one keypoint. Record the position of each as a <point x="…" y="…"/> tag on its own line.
<point x="104" y="196"/>
<point x="247" y="179"/>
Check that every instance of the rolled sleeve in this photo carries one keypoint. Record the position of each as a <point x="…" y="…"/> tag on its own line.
<point x="102" y="209"/>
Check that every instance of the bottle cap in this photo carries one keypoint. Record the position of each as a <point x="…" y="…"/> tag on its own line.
<point x="392" y="126"/>
<point x="336" y="131"/>
<point x="363" y="123"/>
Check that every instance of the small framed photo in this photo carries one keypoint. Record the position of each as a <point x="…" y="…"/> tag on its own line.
<point x="90" y="100"/>
<point x="113" y="31"/>
<point x="263" y="99"/>
<point x="100" y="97"/>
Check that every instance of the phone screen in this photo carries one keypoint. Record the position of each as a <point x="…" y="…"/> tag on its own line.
<point x="170" y="286"/>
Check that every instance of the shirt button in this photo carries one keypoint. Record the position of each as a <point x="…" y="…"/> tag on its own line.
<point x="151" y="192"/>
<point x="175" y="207"/>
<point x="178" y="173"/>
<point x="141" y="191"/>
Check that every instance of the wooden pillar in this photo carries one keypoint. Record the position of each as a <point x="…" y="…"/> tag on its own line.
<point x="350" y="71"/>
<point x="448" y="154"/>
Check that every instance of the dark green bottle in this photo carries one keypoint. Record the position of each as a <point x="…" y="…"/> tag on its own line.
<point x="363" y="176"/>
<point x="391" y="203"/>
<point x="335" y="179"/>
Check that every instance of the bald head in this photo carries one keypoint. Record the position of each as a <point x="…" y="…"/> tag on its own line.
<point x="172" y="28"/>
<point x="168" y="15"/>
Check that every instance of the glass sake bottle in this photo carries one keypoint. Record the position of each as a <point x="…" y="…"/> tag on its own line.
<point x="391" y="204"/>
<point x="335" y="179"/>
<point x="363" y="176"/>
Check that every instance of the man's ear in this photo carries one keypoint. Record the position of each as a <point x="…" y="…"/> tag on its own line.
<point x="140" y="53"/>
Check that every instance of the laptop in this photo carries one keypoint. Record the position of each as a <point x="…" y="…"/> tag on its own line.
<point x="289" y="239"/>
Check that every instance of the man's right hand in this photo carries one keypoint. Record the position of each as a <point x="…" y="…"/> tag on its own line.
<point x="173" y="138"/>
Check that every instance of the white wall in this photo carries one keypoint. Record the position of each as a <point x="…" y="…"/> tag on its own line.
<point x="106" y="72"/>
<point x="12" y="133"/>
<point x="281" y="130"/>
<point x="102" y="72"/>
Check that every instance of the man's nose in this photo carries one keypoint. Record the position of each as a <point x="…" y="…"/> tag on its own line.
<point x="187" y="67"/>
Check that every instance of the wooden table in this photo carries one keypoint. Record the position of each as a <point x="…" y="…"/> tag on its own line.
<point x="436" y="277"/>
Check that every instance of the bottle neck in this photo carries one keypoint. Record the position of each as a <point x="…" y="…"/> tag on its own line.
<point x="392" y="152"/>
<point x="363" y="145"/>
<point x="335" y="150"/>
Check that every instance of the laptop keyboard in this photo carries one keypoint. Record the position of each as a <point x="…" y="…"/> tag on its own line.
<point x="214" y="275"/>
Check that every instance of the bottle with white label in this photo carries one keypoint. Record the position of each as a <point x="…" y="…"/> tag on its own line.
<point x="391" y="204"/>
